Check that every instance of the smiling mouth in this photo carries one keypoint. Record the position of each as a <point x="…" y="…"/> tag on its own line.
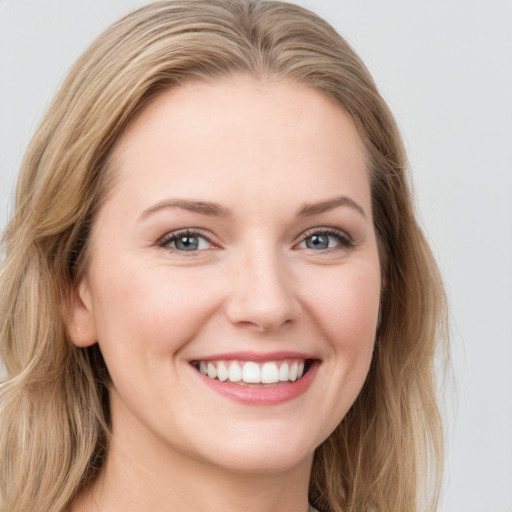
<point x="252" y="373"/>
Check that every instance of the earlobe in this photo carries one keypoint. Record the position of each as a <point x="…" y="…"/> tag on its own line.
<point x="80" y="318"/>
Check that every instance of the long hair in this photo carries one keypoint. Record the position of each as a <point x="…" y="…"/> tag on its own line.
<point x="386" y="454"/>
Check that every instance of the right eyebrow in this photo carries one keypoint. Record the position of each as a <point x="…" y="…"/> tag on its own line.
<point x="202" y="207"/>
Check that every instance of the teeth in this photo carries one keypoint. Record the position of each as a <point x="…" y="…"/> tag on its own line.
<point x="250" y="372"/>
<point x="235" y="372"/>
<point x="293" y="371"/>
<point x="300" y="370"/>
<point x="212" y="371"/>
<point x="284" y="372"/>
<point x="269" y="373"/>
<point x="222" y="371"/>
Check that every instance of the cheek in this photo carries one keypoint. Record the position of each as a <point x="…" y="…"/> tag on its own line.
<point x="152" y="310"/>
<point x="347" y="309"/>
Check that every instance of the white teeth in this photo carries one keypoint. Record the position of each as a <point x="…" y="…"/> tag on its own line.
<point x="284" y="372"/>
<point x="222" y="371"/>
<point x="235" y="372"/>
<point x="250" y="372"/>
<point x="300" y="370"/>
<point x="269" y="373"/>
<point x="293" y="371"/>
<point x="212" y="371"/>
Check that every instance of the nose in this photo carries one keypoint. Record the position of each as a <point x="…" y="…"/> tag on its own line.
<point x="263" y="296"/>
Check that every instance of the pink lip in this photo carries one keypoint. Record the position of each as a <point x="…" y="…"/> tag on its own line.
<point x="260" y="395"/>
<point x="258" y="357"/>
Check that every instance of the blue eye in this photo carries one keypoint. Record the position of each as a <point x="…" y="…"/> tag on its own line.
<point x="185" y="242"/>
<point x="318" y="242"/>
<point x="323" y="240"/>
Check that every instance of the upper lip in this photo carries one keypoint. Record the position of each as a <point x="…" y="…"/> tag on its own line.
<point x="255" y="356"/>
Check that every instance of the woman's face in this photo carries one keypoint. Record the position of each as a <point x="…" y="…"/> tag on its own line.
<point x="238" y="242"/>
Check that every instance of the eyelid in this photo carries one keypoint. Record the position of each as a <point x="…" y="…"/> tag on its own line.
<point x="345" y="240"/>
<point x="173" y="235"/>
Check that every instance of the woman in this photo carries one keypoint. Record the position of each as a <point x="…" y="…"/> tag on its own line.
<point x="215" y="295"/>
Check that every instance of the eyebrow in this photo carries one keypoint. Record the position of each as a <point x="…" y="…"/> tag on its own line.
<point x="212" y="209"/>
<point x="309" y="209"/>
<point x="203" y="207"/>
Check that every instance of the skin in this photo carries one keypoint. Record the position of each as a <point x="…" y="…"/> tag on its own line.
<point x="262" y="151"/>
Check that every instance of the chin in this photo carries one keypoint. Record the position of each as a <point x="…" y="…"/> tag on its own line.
<point x="266" y="463"/>
<point x="266" y="453"/>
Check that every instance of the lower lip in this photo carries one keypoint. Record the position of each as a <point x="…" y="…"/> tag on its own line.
<point x="264" y="395"/>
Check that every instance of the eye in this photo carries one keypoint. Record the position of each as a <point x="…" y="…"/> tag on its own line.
<point x="325" y="239"/>
<point x="185" y="241"/>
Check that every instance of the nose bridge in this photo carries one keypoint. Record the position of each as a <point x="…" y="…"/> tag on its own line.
<point x="262" y="291"/>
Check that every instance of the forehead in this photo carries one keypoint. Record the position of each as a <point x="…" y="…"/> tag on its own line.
<point x="239" y="133"/>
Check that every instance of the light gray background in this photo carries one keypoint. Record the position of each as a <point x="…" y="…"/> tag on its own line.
<point x="445" y="67"/>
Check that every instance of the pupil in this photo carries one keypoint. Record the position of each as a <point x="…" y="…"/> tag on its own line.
<point x="187" y="243"/>
<point x="318" y="242"/>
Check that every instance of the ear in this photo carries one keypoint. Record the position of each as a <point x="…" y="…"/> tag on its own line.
<point x="80" y="317"/>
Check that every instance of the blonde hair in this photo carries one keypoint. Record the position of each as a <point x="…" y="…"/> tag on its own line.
<point x="386" y="455"/>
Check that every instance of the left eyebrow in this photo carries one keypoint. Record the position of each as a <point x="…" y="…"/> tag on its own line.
<point x="309" y="209"/>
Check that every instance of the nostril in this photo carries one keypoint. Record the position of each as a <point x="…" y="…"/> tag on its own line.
<point x="263" y="295"/>
<point x="262" y="316"/>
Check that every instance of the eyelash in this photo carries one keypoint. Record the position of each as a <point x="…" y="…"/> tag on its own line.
<point x="176" y="235"/>
<point x="345" y="241"/>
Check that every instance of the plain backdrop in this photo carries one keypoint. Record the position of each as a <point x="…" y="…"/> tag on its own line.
<point x="445" y="68"/>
